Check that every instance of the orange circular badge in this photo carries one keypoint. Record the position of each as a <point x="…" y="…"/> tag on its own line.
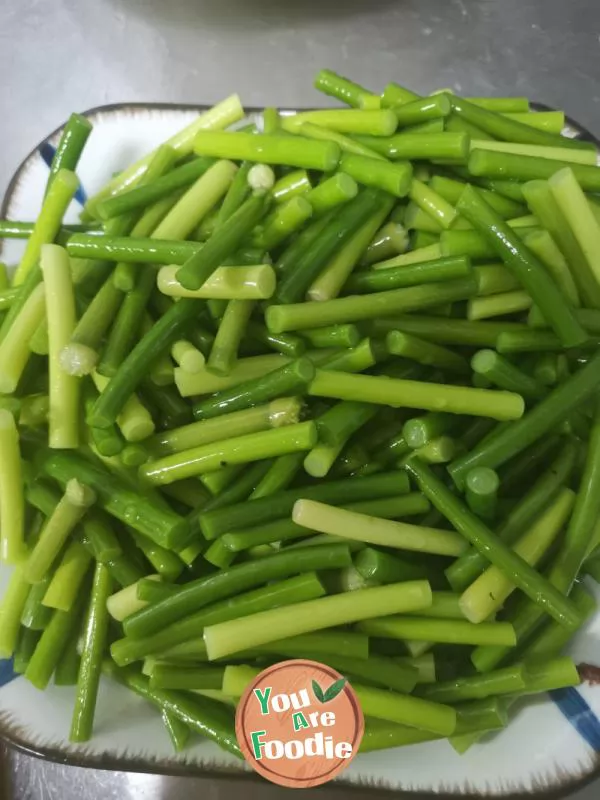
<point x="299" y="724"/>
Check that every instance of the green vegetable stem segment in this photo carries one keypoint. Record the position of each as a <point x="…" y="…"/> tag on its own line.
<point x="413" y="394"/>
<point x="218" y="117"/>
<point x="288" y="217"/>
<point x="411" y="275"/>
<point x="201" y="592"/>
<point x="226" y="283"/>
<point x="482" y="491"/>
<point x="426" y="353"/>
<point x="374" y="122"/>
<point x="241" y="450"/>
<point x="298" y="276"/>
<point x="298" y="316"/>
<point x="230" y="637"/>
<point x="69" y="511"/>
<point x="577" y="212"/>
<point x="330" y="282"/>
<point x="292" y="590"/>
<point x="12" y="502"/>
<point x="487" y="594"/>
<point x="60" y="312"/>
<point x="541" y="419"/>
<point x="350" y="525"/>
<point x="284" y="529"/>
<point x="387" y="484"/>
<point x="50" y="647"/>
<point x="225" y="241"/>
<point x="467" y="568"/>
<point x="406" y="710"/>
<point x="395" y="179"/>
<point x="95" y="632"/>
<point x="62" y="186"/>
<point x="290" y="378"/>
<point x="147" y="193"/>
<point x="143" y="512"/>
<point x="291" y="185"/>
<point x="334" y="85"/>
<point x="276" y="414"/>
<point x="63" y="590"/>
<point x="14" y="346"/>
<point x="448" y="631"/>
<point x="504" y="374"/>
<point x="525" y="266"/>
<point x="70" y="146"/>
<point x="537" y="588"/>
<point x="269" y="149"/>
<point x="478" y="687"/>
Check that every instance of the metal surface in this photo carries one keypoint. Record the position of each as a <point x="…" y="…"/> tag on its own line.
<point x="25" y="778"/>
<point x="63" y="55"/>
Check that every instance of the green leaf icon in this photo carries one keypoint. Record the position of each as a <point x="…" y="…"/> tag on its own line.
<point x="318" y="692"/>
<point x="334" y="690"/>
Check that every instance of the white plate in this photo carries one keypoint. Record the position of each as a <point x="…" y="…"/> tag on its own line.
<point x="551" y="748"/>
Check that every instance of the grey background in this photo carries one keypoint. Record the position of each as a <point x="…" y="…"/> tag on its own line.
<point x="57" y="56"/>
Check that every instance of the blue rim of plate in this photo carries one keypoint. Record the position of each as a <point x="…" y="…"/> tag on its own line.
<point x="569" y="701"/>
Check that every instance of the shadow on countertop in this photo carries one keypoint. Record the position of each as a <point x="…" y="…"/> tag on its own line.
<point x="5" y="782"/>
<point x="254" y="13"/>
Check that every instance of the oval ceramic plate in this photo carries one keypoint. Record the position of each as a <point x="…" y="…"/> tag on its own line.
<point x="552" y="747"/>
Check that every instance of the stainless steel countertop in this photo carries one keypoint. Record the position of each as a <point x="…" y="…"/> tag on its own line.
<point x="63" y="55"/>
<point x="57" y="56"/>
